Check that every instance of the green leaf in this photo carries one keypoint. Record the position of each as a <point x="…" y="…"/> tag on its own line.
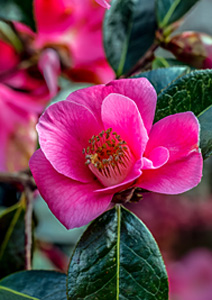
<point x="129" y="30"/>
<point x="39" y="285"/>
<point x="161" y="78"/>
<point x="19" y="10"/>
<point x="192" y="92"/>
<point x="205" y="120"/>
<point x="117" y="258"/>
<point x="9" y="294"/>
<point x="12" y="240"/>
<point x="169" y="11"/>
<point x="159" y="62"/>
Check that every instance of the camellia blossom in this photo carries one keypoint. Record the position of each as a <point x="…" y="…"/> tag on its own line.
<point x="25" y="89"/>
<point x="74" y="29"/>
<point x="102" y="140"/>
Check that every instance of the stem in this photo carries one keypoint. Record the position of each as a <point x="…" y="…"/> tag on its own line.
<point x="26" y="180"/>
<point x="148" y="56"/>
<point x="28" y="227"/>
<point x="28" y="183"/>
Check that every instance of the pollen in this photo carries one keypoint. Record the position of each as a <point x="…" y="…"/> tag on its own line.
<point x="108" y="157"/>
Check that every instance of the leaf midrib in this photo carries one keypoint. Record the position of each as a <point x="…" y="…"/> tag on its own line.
<point x="17" y="293"/>
<point x="118" y="248"/>
<point x="169" y="13"/>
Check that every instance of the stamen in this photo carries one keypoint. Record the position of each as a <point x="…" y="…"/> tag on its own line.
<point x="108" y="157"/>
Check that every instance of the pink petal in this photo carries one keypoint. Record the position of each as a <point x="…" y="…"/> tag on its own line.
<point x="32" y="102"/>
<point x="122" y="115"/>
<point x="103" y="3"/>
<point x="174" y="178"/>
<point x="24" y="29"/>
<point x="139" y="90"/>
<point x="97" y="71"/>
<point x="8" y="58"/>
<point x="72" y="202"/>
<point x="127" y="182"/>
<point x="64" y="131"/>
<point x="156" y="159"/>
<point x="53" y="16"/>
<point x="178" y="133"/>
<point x="49" y="65"/>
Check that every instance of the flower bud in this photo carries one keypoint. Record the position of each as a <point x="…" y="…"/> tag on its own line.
<point x="193" y="48"/>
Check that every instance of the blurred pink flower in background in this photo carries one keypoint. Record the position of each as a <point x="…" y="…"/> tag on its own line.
<point x="194" y="48"/>
<point x="101" y="141"/>
<point x="74" y="29"/>
<point x="68" y="40"/>
<point x="191" y="277"/>
<point x="173" y="219"/>
<point x="24" y="93"/>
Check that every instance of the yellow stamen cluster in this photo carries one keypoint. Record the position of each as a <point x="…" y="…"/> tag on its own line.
<point x="106" y="150"/>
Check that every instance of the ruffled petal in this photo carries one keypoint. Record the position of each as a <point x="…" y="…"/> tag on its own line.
<point x="73" y="203"/>
<point x="156" y="159"/>
<point x="178" y="133"/>
<point x="174" y="178"/>
<point x="139" y="90"/>
<point x="64" y="131"/>
<point x="122" y="115"/>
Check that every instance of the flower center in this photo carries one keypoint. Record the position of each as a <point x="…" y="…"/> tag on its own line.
<point x="108" y="157"/>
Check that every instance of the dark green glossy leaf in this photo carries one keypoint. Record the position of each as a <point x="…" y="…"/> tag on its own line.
<point x="19" y="10"/>
<point x="169" y="11"/>
<point x="117" y="258"/>
<point x="192" y="92"/>
<point x="161" y="78"/>
<point x="40" y="285"/>
<point x="12" y="240"/>
<point x="159" y="62"/>
<point x="129" y="30"/>
<point x="8" y="294"/>
<point x="205" y="120"/>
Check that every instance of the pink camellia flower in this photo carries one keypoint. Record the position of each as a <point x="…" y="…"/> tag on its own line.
<point x="25" y="87"/>
<point x="101" y="141"/>
<point x="74" y="29"/>
<point x="25" y="90"/>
